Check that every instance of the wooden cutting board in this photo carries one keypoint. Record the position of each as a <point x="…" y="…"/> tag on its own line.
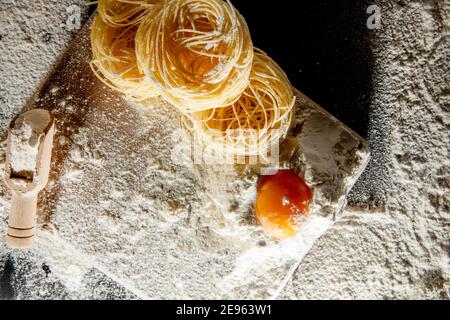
<point x="119" y="201"/>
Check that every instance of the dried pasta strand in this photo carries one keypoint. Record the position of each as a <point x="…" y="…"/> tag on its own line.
<point x="258" y="119"/>
<point x="122" y="13"/>
<point x="199" y="53"/>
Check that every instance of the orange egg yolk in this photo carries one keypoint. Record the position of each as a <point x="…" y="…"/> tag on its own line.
<point x="282" y="200"/>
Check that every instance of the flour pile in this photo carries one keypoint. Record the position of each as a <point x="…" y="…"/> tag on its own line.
<point x="26" y="137"/>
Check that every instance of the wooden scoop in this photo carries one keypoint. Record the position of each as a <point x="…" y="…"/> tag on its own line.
<point x="28" y="155"/>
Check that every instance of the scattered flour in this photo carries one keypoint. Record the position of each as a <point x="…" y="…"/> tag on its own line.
<point x="399" y="251"/>
<point x="158" y="224"/>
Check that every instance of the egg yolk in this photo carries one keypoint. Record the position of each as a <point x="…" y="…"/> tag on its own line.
<point x="281" y="201"/>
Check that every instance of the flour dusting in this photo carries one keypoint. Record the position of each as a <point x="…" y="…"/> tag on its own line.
<point x="124" y="218"/>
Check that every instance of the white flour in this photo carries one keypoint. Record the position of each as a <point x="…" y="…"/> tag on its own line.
<point x="23" y="151"/>
<point x="399" y="251"/>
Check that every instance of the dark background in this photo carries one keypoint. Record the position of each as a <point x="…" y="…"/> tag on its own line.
<point x="323" y="47"/>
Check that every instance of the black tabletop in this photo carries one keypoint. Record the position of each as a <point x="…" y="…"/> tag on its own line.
<point x="323" y="46"/>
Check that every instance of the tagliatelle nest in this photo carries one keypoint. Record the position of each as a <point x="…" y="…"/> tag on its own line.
<point x="199" y="52"/>
<point x="114" y="56"/>
<point x="256" y="121"/>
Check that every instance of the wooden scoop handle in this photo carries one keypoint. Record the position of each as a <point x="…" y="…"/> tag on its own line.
<point x="22" y="220"/>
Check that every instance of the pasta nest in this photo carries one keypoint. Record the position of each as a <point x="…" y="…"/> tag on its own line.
<point x="199" y="53"/>
<point x="253" y="124"/>
<point x="113" y="48"/>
